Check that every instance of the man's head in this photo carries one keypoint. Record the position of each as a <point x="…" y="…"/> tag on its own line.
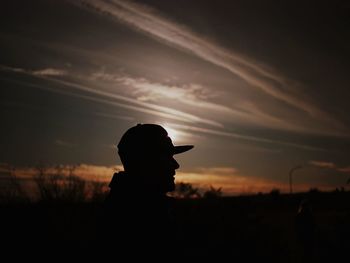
<point x="146" y="152"/>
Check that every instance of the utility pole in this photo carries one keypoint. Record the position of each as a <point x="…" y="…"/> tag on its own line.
<point x="290" y="176"/>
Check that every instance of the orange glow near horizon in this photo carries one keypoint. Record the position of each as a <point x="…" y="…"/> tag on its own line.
<point x="227" y="178"/>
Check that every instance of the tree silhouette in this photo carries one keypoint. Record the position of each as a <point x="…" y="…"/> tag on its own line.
<point x="58" y="186"/>
<point x="213" y="192"/>
<point x="11" y="189"/>
<point x="186" y="190"/>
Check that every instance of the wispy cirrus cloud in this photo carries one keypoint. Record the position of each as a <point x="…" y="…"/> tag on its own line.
<point x="246" y="137"/>
<point x="330" y="165"/>
<point x="323" y="164"/>
<point x="344" y="169"/>
<point x="196" y="96"/>
<point x="189" y="94"/>
<point x="114" y="116"/>
<point x="148" y="91"/>
<point x="259" y="76"/>
<point x="112" y="98"/>
<point x="49" y="72"/>
<point x="39" y="72"/>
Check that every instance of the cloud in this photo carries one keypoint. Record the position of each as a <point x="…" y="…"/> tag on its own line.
<point x="114" y="116"/>
<point x="191" y="94"/>
<point x="85" y="171"/>
<point x="154" y="91"/>
<point x="246" y="137"/>
<point x="323" y="164"/>
<point x="219" y="170"/>
<point x="344" y="169"/>
<point x="49" y="72"/>
<point x="196" y="96"/>
<point x="165" y="112"/>
<point x="233" y="182"/>
<point x="226" y="177"/>
<point x="149" y="21"/>
<point x="113" y="98"/>
<point x="40" y="72"/>
<point x="97" y="172"/>
<point x="4" y="167"/>
<point x="330" y="165"/>
<point x="229" y="179"/>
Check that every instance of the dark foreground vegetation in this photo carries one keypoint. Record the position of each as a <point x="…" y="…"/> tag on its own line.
<point x="243" y="228"/>
<point x="65" y="219"/>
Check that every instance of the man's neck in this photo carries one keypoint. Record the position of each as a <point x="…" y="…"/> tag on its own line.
<point x="135" y="183"/>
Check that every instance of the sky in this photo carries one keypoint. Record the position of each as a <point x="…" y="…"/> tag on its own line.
<point x="259" y="87"/>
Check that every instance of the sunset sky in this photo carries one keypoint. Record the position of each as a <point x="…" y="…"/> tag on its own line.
<point x="258" y="87"/>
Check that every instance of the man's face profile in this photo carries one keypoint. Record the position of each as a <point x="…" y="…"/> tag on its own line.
<point x="161" y="168"/>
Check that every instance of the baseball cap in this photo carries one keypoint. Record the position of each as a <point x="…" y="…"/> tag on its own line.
<point x="148" y="139"/>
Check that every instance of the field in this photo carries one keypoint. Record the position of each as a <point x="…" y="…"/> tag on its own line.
<point x="243" y="228"/>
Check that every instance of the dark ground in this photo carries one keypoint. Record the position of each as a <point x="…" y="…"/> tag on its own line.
<point x="245" y="228"/>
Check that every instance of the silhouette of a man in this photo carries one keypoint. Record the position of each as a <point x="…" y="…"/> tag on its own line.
<point x="137" y="206"/>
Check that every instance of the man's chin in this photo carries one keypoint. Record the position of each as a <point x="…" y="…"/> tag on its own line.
<point x="171" y="187"/>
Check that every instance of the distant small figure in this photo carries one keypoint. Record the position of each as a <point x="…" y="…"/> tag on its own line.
<point x="138" y="210"/>
<point x="306" y="230"/>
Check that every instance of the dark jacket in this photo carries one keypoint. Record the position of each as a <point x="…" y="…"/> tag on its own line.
<point x="137" y="219"/>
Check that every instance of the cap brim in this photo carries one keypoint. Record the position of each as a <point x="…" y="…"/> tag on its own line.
<point x="182" y="148"/>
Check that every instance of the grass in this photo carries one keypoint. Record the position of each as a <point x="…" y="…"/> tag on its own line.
<point x="245" y="228"/>
<point x="242" y="228"/>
